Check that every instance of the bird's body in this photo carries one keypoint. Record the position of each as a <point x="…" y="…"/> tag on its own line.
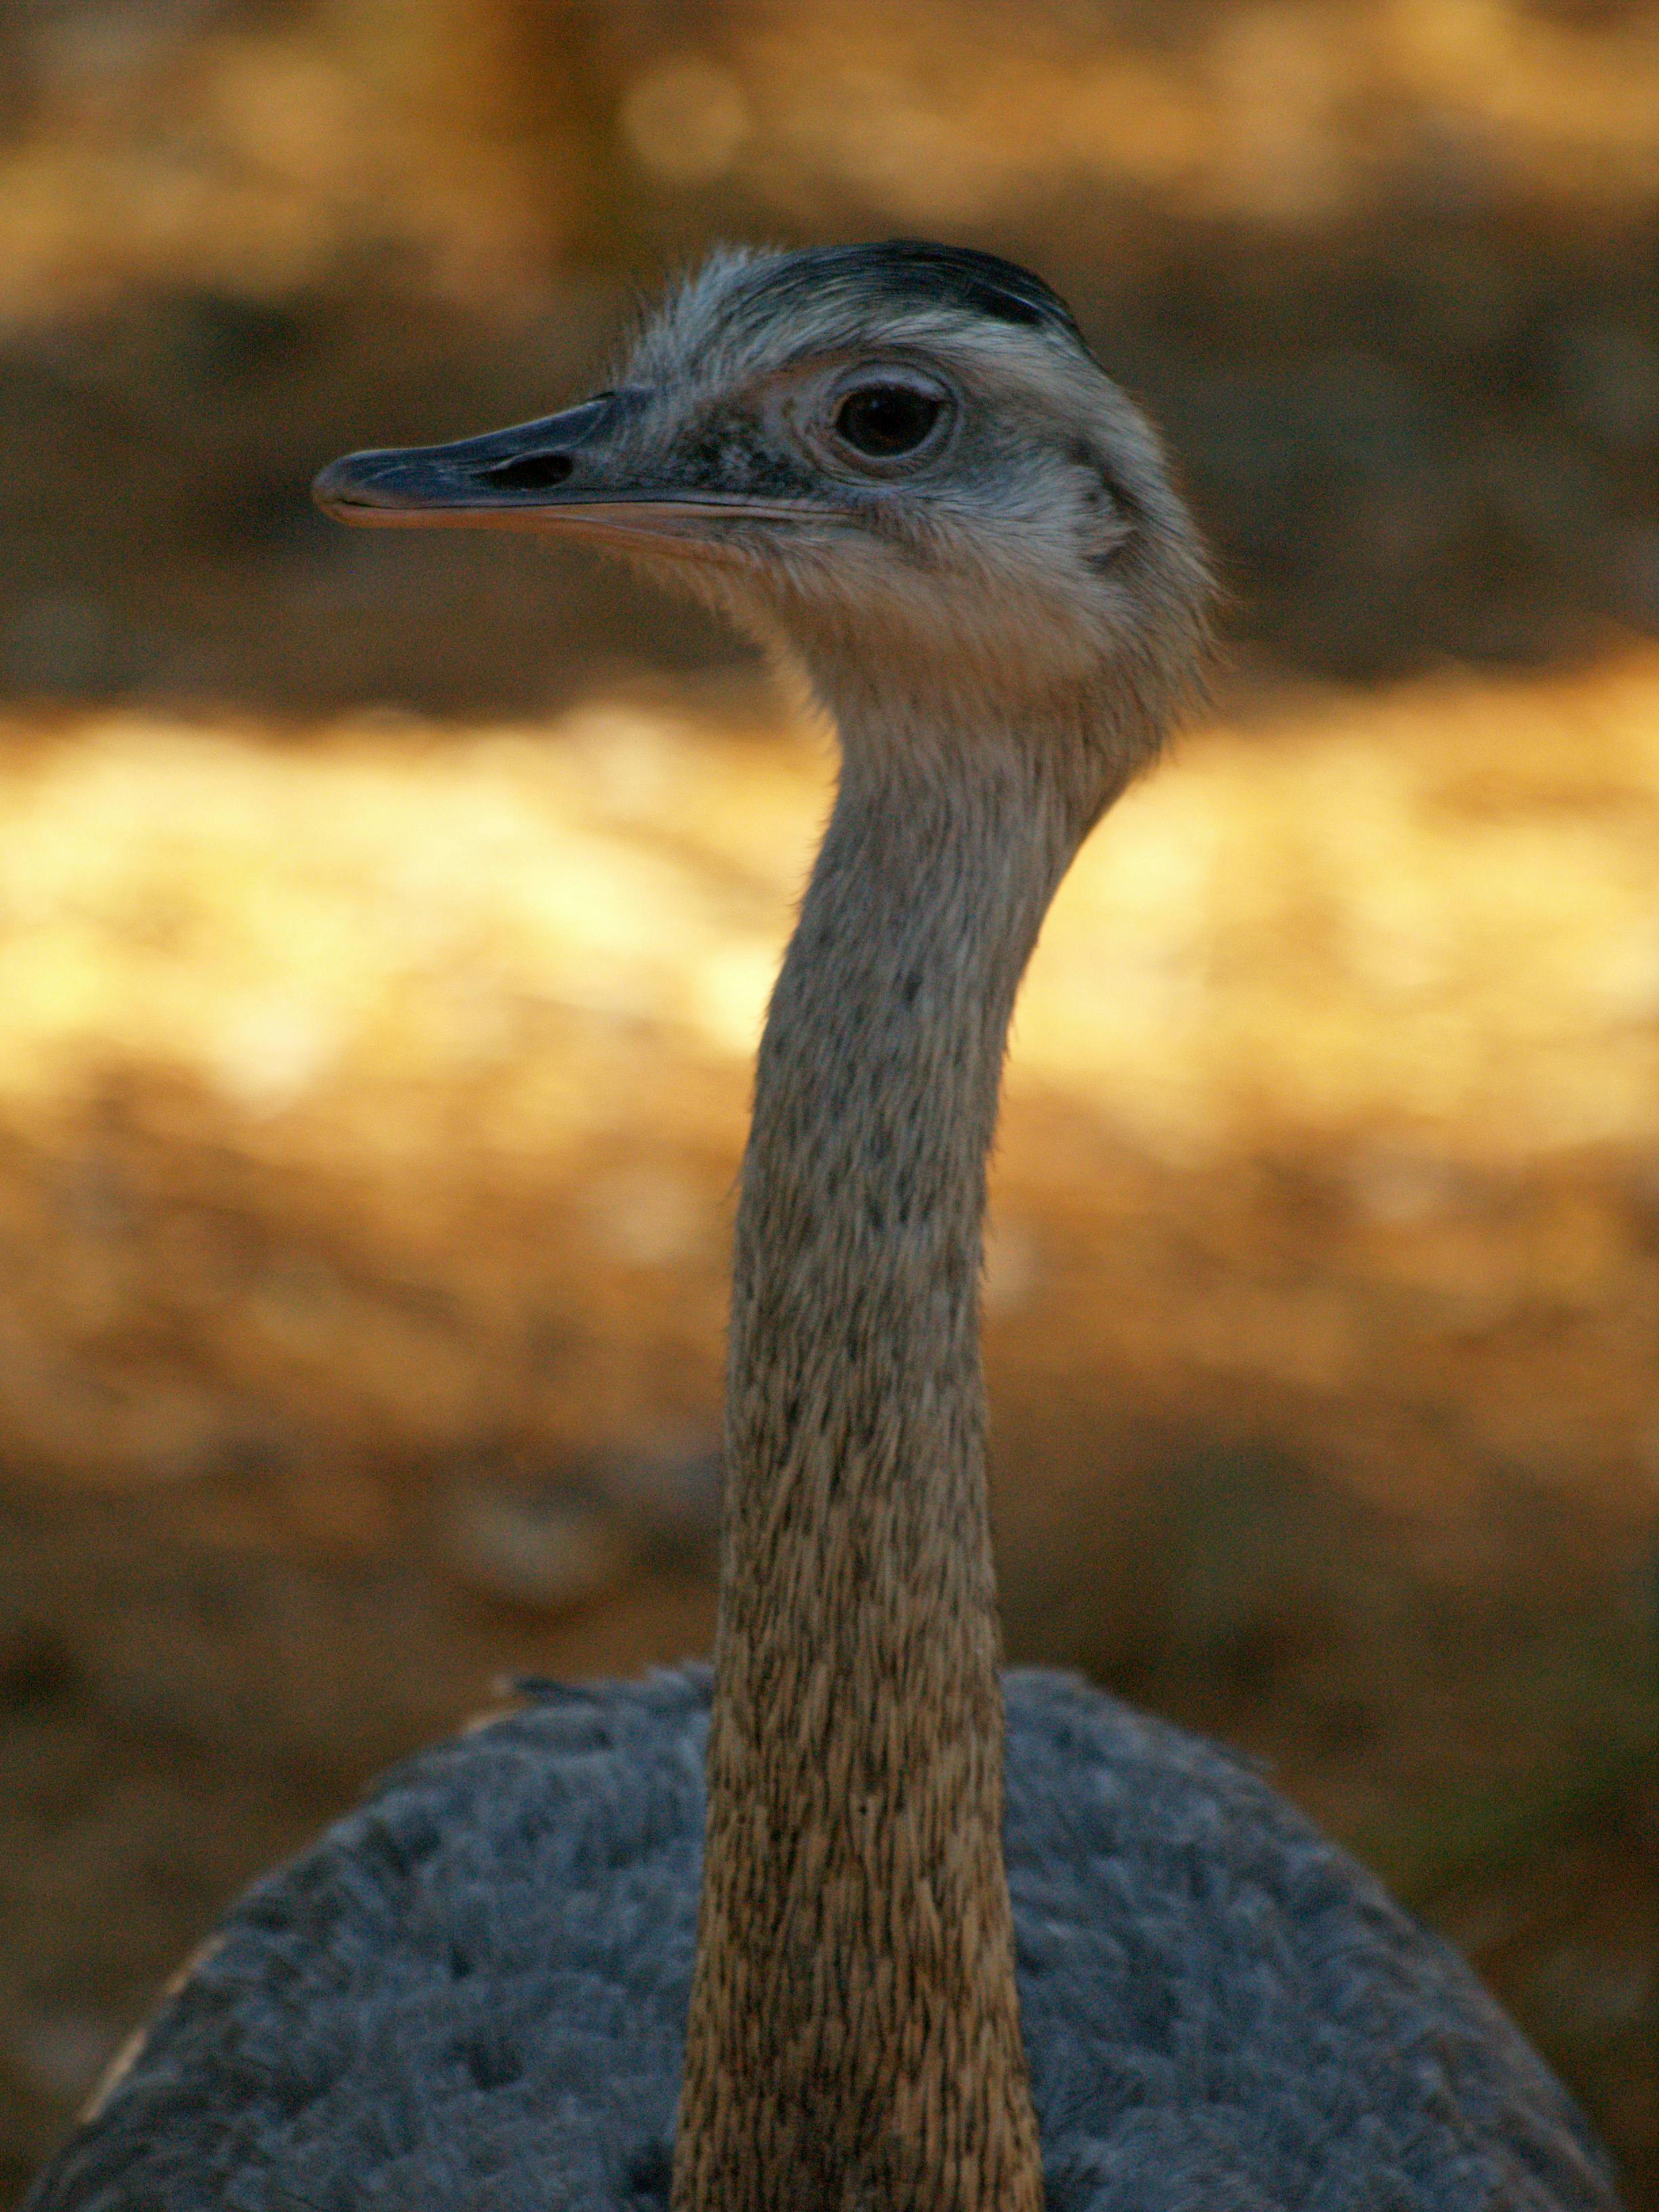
<point x="774" y="1922"/>
<point x="471" y="1994"/>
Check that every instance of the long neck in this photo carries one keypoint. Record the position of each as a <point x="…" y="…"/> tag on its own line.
<point x="854" y="2033"/>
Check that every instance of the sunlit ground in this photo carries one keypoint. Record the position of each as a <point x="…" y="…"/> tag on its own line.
<point x="1382" y="975"/>
<point x="371" y="1101"/>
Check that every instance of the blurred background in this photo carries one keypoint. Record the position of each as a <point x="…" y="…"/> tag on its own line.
<point x="385" y="921"/>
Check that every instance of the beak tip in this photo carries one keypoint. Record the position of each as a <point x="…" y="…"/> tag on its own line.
<point x="334" y="489"/>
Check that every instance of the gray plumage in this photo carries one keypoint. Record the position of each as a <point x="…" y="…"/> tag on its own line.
<point x="470" y="1995"/>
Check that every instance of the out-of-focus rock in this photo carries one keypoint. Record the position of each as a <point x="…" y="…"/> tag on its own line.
<point x="535" y="1544"/>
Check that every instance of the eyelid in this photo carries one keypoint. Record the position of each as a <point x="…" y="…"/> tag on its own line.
<point x="890" y="372"/>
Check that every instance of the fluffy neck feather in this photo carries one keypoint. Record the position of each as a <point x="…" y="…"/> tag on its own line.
<point x="855" y="2035"/>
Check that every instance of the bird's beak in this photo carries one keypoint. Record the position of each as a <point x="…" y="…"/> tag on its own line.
<point x="566" y="473"/>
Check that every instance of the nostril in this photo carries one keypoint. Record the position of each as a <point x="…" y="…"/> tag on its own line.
<point x="531" y="472"/>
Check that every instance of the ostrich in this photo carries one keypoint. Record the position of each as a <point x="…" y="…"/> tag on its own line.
<point x="779" y="1938"/>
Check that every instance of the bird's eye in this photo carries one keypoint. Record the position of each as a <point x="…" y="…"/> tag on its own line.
<point x="885" y="420"/>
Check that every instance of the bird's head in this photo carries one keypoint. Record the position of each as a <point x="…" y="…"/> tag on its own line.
<point x="899" y="460"/>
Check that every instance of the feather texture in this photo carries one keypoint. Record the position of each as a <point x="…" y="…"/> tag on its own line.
<point x="470" y="1994"/>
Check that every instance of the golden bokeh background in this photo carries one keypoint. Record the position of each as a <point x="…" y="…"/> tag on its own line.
<point x="386" y="923"/>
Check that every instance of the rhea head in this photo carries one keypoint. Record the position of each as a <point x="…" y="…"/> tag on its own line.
<point x="899" y="462"/>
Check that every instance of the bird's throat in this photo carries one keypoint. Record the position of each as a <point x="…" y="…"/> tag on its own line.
<point x="855" y="2035"/>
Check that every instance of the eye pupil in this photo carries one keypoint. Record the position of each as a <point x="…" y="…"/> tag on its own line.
<point x="885" y="420"/>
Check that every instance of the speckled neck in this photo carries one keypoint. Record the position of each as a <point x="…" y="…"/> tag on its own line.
<point x="854" y="2033"/>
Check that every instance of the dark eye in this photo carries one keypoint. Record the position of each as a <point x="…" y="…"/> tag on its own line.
<point x="885" y="420"/>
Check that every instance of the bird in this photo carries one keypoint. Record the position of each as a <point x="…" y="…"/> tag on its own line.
<point x="851" y="1920"/>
